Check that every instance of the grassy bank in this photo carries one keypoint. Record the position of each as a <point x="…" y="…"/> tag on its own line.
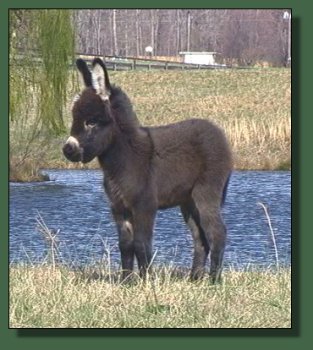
<point x="253" y="106"/>
<point x="57" y="297"/>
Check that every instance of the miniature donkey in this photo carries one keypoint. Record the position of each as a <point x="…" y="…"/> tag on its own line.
<point x="186" y="164"/>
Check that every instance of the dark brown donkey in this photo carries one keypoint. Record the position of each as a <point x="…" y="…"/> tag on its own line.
<point x="186" y="164"/>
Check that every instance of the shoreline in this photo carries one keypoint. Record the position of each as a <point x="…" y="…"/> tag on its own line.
<point x="42" y="177"/>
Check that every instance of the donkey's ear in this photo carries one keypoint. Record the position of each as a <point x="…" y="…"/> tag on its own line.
<point x="100" y="79"/>
<point x="85" y="72"/>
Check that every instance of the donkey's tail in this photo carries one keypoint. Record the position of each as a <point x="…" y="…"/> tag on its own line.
<point x="225" y="190"/>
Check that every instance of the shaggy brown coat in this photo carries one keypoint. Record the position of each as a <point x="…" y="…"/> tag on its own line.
<point x="186" y="164"/>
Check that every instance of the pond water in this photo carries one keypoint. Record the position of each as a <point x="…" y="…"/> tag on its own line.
<point x="75" y="205"/>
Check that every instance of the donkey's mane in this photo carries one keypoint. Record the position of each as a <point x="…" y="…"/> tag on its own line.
<point x="122" y="108"/>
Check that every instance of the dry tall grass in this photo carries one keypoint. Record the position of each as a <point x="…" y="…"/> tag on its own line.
<point x="253" y="106"/>
<point x="57" y="298"/>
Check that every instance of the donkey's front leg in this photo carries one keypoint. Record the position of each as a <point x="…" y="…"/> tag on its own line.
<point x="126" y="240"/>
<point x="143" y="232"/>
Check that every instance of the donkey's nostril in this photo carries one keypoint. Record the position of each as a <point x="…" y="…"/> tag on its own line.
<point x="68" y="149"/>
<point x="72" y="150"/>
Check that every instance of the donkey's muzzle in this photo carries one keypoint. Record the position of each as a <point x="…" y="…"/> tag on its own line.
<point x="72" y="151"/>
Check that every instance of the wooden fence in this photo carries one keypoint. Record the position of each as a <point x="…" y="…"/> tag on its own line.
<point x="118" y="63"/>
<point x="133" y="63"/>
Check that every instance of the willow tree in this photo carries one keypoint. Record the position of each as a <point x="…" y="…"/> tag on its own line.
<point x="41" y="51"/>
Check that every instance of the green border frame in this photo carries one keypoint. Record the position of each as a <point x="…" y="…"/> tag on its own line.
<point x="302" y="121"/>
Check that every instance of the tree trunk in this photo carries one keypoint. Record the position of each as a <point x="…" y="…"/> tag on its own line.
<point x="178" y="33"/>
<point x="114" y="33"/>
<point x="188" y="30"/>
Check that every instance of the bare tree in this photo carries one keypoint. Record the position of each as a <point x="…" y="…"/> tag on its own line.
<point x="188" y="30"/>
<point x="114" y="38"/>
<point x="178" y="31"/>
<point x="137" y="33"/>
<point x="242" y="35"/>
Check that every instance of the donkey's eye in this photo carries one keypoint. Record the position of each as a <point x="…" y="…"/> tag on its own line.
<point x="92" y="122"/>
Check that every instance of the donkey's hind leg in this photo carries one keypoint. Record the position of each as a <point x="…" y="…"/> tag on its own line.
<point x="201" y="247"/>
<point x="212" y="225"/>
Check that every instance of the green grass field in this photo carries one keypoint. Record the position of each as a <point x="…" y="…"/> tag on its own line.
<point x="252" y="105"/>
<point x="57" y="297"/>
